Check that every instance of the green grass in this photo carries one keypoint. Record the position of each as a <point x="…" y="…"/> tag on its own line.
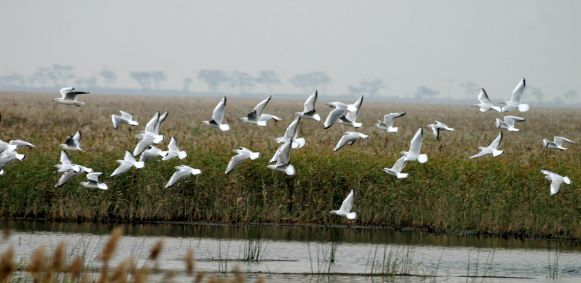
<point x="504" y="195"/>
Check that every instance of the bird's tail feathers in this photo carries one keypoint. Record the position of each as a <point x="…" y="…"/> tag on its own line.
<point x="224" y="127"/>
<point x="139" y="164"/>
<point x="351" y="215"/>
<point x="290" y="170"/>
<point x="497" y="152"/>
<point x="317" y="117"/>
<point x="402" y="175"/>
<point x="182" y="154"/>
<point x="523" y="107"/>
<point x="392" y="129"/>
<point x="423" y="158"/>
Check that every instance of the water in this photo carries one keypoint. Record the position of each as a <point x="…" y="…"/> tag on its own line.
<point x="303" y="253"/>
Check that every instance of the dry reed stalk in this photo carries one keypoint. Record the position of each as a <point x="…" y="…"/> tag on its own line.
<point x="111" y="244"/>
<point x="58" y="258"/>
<point x="168" y="276"/>
<point x="260" y="279"/>
<point x="7" y="265"/>
<point x="199" y="277"/>
<point x="75" y="268"/>
<point x="119" y="275"/>
<point x="189" y="261"/>
<point x="36" y="265"/>
<point x="140" y="275"/>
<point x="6" y="233"/>
<point x="238" y="277"/>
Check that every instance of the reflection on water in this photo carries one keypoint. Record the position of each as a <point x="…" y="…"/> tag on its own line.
<point x="294" y="253"/>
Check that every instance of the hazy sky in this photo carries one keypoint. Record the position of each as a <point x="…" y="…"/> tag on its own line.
<point x="406" y="43"/>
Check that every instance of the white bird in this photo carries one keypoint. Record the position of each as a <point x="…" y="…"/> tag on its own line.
<point x="557" y="143"/>
<point x="150" y="135"/>
<point x="8" y="156"/>
<point x="69" y="96"/>
<point x="396" y="169"/>
<point x="181" y="172"/>
<point x="292" y="132"/>
<point x="242" y="154"/>
<point x="218" y="117"/>
<point x="491" y="149"/>
<point x="485" y="103"/>
<point x="556" y="180"/>
<point x="73" y="143"/>
<point x="151" y="152"/>
<point x="13" y="144"/>
<point x="346" y="207"/>
<point x="309" y="107"/>
<point x="439" y="126"/>
<point x="93" y="181"/>
<point x="514" y="102"/>
<point x="387" y="123"/>
<point x="415" y="147"/>
<point x="68" y="175"/>
<point x="508" y="123"/>
<point x="126" y="163"/>
<point x="125" y="118"/>
<point x="259" y="118"/>
<point x="66" y="164"/>
<point x="339" y="110"/>
<point x="350" y="117"/>
<point x="282" y="159"/>
<point x="173" y="151"/>
<point x="349" y="138"/>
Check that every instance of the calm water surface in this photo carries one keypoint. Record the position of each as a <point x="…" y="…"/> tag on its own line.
<point x="333" y="254"/>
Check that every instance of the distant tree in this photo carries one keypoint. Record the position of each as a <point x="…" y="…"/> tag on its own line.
<point x="109" y="76"/>
<point x="424" y="92"/>
<point x="243" y="81"/>
<point x="267" y="78"/>
<point x="142" y="78"/>
<point x="538" y="94"/>
<point x="471" y="89"/>
<point x="188" y="84"/>
<point x="13" y="79"/>
<point x="61" y="74"/>
<point x="156" y="77"/>
<point x="213" y="78"/>
<point x="310" y="81"/>
<point x="89" y="82"/>
<point x="571" y="95"/>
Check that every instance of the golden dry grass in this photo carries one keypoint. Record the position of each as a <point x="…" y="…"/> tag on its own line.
<point x="507" y="194"/>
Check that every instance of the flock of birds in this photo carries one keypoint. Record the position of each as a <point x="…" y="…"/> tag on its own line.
<point x="341" y="113"/>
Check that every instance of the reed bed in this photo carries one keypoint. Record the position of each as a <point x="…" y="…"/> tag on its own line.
<point x="45" y="268"/>
<point x="505" y="195"/>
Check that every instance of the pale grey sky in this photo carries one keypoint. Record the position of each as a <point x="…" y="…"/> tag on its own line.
<point x="405" y="43"/>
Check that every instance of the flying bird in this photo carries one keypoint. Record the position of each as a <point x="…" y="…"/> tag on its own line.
<point x="387" y="123"/>
<point x="439" y="126"/>
<point x="8" y="156"/>
<point x="309" y="108"/>
<point x="68" y="175"/>
<point x="151" y="152"/>
<point x="556" y="180"/>
<point x="484" y="102"/>
<point x="66" y="164"/>
<point x="349" y="138"/>
<point x="515" y="99"/>
<point x="126" y="163"/>
<point x="292" y="132"/>
<point x="181" y="172"/>
<point x="491" y="149"/>
<point x="350" y="117"/>
<point x="150" y="135"/>
<point x="218" y="117"/>
<point x="557" y="143"/>
<point x="415" y="147"/>
<point x="242" y="154"/>
<point x="173" y="151"/>
<point x="339" y="110"/>
<point x="259" y="118"/>
<point x="396" y="169"/>
<point x="124" y="118"/>
<point x="69" y="96"/>
<point x="93" y="181"/>
<point x="508" y="123"/>
<point x="282" y="159"/>
<point x="14" y="144"/>
<point x="346" y="207"/>
<point x="73" y="143"/>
